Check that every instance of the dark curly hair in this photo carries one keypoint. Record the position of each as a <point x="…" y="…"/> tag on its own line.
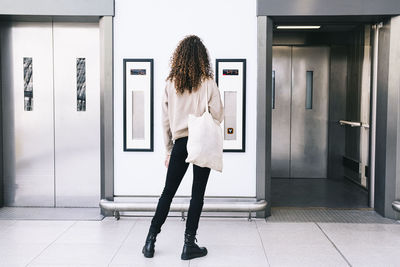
<point x="190" y="64"/>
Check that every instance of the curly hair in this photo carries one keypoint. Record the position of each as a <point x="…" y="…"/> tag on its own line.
<point x="190" y="64"/>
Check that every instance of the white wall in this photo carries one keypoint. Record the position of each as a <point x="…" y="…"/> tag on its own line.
<point x="152" y="29"/>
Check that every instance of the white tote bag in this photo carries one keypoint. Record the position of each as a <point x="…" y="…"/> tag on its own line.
<point x="205" y="140"/>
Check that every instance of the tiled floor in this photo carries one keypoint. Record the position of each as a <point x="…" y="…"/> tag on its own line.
<point x="230" y="242"/>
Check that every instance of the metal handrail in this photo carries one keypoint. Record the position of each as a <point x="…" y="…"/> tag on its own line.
<point x="396" y="205"/>
<point x="354" y="124"/>
<point x="249" y="207"/>
<point x="351" y="123"/>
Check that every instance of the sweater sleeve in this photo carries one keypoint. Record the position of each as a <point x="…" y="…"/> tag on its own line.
<point x="165" y="122"/>
<point x="214" y="102"/>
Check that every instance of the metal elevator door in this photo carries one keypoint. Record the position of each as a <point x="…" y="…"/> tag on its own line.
<point x="51" y="113"/>
<point x="300" y="112"/>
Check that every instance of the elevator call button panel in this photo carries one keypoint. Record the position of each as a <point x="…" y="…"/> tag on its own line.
<point x="231" y="83"/>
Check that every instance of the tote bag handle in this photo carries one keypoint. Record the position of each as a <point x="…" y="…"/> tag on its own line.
<point x="206" y="101"/>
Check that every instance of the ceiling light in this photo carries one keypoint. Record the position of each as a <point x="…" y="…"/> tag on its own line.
<point x="281" y="27"/>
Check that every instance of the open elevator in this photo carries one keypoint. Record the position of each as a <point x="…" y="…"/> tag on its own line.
<point x="321" y="113"/>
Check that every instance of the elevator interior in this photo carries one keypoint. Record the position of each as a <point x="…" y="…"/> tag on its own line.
<point x="321" y="105"/>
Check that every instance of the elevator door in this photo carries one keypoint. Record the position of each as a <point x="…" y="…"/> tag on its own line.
<point x="300" y="112"/>
<point x="51" y="113"/>
<point x="27" y="109"/>
<point x="77" y="114"/>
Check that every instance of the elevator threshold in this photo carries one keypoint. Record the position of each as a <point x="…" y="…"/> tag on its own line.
<point x="327" y="215"/>
<point x="319" y="208"/>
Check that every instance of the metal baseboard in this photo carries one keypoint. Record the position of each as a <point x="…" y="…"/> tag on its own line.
<point x="246" y="206"/>
<point x="50" y="213"/>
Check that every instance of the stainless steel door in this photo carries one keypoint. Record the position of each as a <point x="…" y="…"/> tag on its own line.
<point x="309" y="128"/>
<point x="77" y="114"/>
<point x="281" y="101"/>
<point x="300" y="112"/>
<point x="51" y="114"/>
<point x="27" y="90"/>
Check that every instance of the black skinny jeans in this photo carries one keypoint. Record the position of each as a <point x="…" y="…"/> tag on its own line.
<point x="176" y="170"/>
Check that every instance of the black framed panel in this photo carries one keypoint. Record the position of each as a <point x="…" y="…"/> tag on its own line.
<point x="231" y="80"/>
<point x="138" y="104"/>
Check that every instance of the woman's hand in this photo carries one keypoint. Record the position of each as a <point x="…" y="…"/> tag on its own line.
<point x="167" y="161"/>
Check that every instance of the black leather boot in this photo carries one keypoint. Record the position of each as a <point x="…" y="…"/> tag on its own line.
<point x="190" y="249"/>
<point x="148" y="248"/>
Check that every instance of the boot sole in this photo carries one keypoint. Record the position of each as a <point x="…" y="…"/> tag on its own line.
<point x="147" y="255"/>
<point x="193" y="256"/>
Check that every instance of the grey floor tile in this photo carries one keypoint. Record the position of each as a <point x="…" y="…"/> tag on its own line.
<point x="293" y="234"/>
<point x="19" y="254"/>
<point x="97" y="232"/>
<point x="306" y="256"/>
<point x="4" y="224"/>
<point x="232" y="254"/>
<point x="167" y="248"/>
<point x="220" y="231"/>
<point x="76" y="254"/>
<point x="23" y="240"/>
<point x="366" y="244"/>
<point x="230" y="242"/>
<point x="27" y="231"/>
<point x="365" y="234"/>
<point x="364" y="256"/>
<point x="64" y="265"/>
<point x="90" y="243"/>
<point x="298" y="244"/>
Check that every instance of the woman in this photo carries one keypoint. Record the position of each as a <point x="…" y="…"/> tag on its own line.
<point x="189" y="82"/>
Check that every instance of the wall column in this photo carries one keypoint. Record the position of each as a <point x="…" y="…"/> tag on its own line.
<point x="106" y="108"/>
<point x="264" y="112"/>
<point x="387" y="166"/>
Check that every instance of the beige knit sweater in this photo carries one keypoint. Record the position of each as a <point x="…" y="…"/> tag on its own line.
<point x="177" y="107"/>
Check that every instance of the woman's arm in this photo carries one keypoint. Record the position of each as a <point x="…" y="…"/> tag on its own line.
<point x="165" y="122"/>
<point x="214" y="102"/>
